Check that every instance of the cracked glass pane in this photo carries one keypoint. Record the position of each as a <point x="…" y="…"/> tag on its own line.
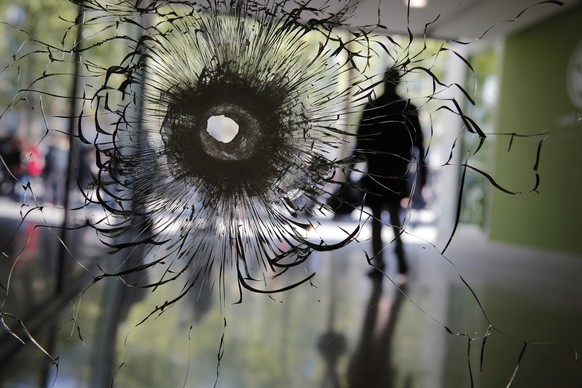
<point x="291" y="193"/>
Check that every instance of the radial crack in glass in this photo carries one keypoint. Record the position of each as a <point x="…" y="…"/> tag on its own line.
<point x="208" y="206"/>
<point x="151" y="85"/>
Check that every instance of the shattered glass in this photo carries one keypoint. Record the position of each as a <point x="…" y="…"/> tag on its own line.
<point x="204" y="142"/>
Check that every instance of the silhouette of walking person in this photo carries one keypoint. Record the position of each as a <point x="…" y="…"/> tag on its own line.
<point x="388" y="134"/>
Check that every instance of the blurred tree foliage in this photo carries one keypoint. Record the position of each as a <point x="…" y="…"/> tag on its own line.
<point x="485" y="82"/>
<point x="23" y="58"/>
<point x="37" y="40"/>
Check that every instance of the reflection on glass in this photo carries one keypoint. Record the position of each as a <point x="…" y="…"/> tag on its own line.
<point x="161" y="160"/>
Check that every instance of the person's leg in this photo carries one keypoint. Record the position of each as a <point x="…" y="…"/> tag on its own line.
<point x="394" y="211"/>
<point x="377" y="244"/>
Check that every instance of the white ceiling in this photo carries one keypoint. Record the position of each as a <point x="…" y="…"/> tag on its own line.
<point x="459" y="19"/>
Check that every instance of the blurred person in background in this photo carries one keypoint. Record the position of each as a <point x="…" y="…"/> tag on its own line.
<point x="389" y="137"/>
<point x="55" y="172"/>
<point x="10" y="150"/>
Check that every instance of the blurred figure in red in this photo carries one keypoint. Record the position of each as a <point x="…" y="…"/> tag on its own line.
<point x="32" y="166"/>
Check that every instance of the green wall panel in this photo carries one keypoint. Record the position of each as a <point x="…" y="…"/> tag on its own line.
<point x="533" y="99"/>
